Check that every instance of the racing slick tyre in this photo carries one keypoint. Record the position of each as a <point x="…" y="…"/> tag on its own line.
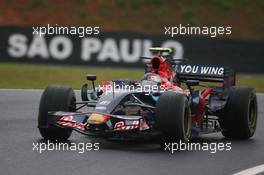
<point x="55" y="98"/>
<point x="173" y="117"/>
<point x="238" y="119"/>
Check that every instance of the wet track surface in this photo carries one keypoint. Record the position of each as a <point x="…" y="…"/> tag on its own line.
<point x="18" y="132"/>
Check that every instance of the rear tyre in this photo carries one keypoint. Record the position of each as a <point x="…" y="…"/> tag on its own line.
<point x="239" y="117"/>
<point x="173" y="117"/>
<point x="55" y="98"/>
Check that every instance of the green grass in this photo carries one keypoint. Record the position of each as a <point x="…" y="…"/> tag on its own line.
<point x="27" y="76"/>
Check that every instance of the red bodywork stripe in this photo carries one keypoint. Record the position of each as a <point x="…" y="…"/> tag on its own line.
<point x="198" y="118"/>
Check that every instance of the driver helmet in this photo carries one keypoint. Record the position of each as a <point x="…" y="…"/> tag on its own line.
<point x="152" y="77"/>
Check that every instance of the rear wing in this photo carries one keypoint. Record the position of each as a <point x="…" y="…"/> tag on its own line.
<point x="160" y="50"/>
<point x="206" y="73"/>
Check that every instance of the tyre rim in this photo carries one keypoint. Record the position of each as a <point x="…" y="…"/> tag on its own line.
<point x="252" y="117"/>
<point x="187" y="123"/>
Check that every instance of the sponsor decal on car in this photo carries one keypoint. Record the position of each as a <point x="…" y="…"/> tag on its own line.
<point x="96" y="118"/>
<point x="200" y="70"/>
<point x="104" y="102"/>
<point x="120" y="126"/>
<point x="100" y="107"/>
<point x="68" y="121"/>
<point x="143" y="125"/>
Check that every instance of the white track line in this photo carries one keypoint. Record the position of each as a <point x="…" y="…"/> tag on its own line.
<point x="252" y="171"/>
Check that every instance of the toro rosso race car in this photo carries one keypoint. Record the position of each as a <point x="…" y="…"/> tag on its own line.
<point x="168" y="103"/>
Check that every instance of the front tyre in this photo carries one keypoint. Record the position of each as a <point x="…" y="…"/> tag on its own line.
<point x="173" y="117"/>
<point x="55" y="98"/>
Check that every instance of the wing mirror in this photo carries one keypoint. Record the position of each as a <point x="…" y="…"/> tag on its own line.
<point x="92" y="78"/>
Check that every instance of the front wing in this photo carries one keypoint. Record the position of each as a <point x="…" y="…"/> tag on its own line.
<point x="96" y="124"/>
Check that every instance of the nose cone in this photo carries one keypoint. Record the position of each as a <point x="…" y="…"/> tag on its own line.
<point x="97" y="118"/>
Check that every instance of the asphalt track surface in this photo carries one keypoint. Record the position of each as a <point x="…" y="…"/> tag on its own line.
<point x="18" y="132"/>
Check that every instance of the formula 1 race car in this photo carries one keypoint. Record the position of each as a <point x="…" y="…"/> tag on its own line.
<point x="173" y="101"/>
